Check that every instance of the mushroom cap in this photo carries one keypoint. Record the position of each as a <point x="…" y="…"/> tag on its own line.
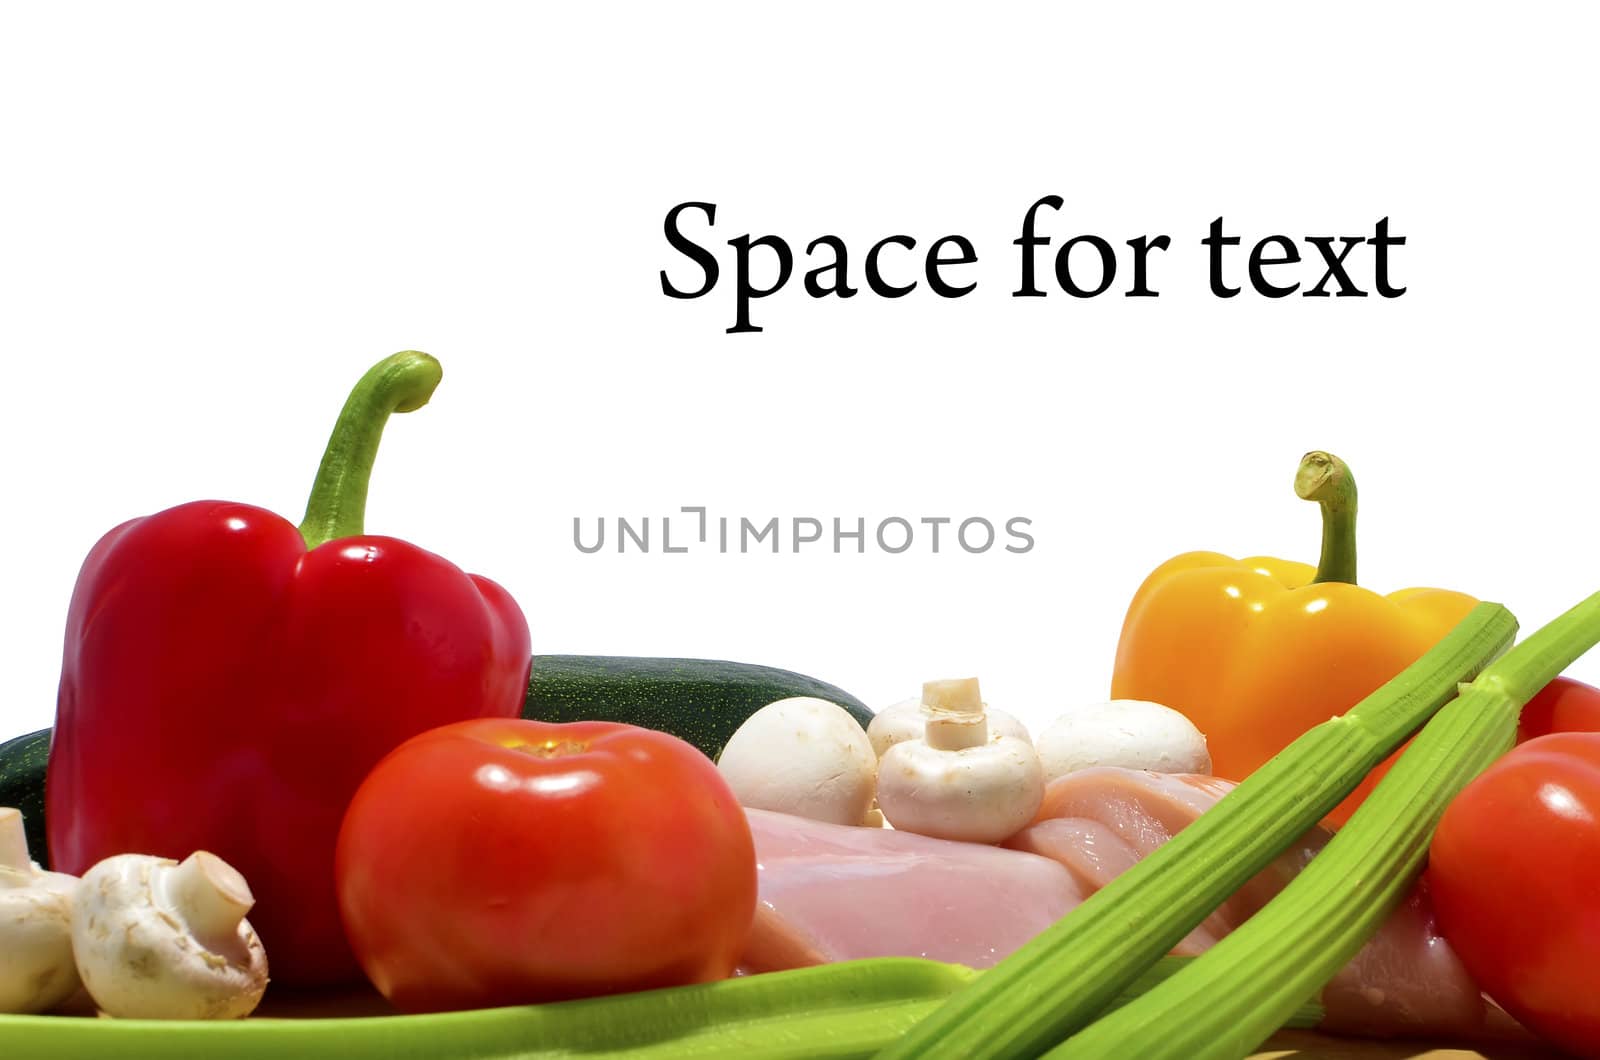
<point x="980" y="794"/>
<point x="36" y="968"/>
<point x="907" y="719"/>
<point x="802" y="756"/>
<point x="1131" y="733"/>
<point x="148" y="949"/>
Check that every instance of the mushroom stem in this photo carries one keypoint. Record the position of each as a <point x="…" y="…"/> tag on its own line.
<point x="957" y="696"/>
<point x="955" y="715"/>
<point x="13" y="841"/>
<point x="956" y="782"/>
<point x="36" y="969"/>
<point x="210" y="895"/>
<point x="157" y="939"/>
<point x="956" y="732"/>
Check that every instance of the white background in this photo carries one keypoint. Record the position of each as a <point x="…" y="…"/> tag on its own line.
<point x="215" y="217"/>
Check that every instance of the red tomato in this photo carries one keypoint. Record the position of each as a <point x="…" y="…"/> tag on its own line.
<point x="1563" y="705"/>
<point x="502" y="861"/>
<point x="1515" y="874"/>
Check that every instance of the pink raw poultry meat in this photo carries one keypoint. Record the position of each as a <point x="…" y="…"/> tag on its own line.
<point x="1098" y="822"/>
<point x="830" y="892"/>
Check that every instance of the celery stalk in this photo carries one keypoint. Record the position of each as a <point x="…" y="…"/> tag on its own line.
<point x="1067" y="975"/>
<point x="841" y="1011"/>
<point x="1224" y="1003"/>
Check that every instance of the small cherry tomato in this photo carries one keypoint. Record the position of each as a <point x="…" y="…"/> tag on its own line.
<point x="503" y="861"/>
<point x="1563" y="705"/>
<point x="1515" y="873"/>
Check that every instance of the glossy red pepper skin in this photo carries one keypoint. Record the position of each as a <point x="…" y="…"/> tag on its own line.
<point x="224" y="689"/>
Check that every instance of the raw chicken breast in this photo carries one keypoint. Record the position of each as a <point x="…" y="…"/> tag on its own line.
<point x="832" y="892"/>
<point x="1407" y="980"/>
<point x="1098" y="822"/>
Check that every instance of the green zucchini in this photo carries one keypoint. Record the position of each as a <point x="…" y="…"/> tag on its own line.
<point x="22" y="762"/>
<point x="699" y="700"/>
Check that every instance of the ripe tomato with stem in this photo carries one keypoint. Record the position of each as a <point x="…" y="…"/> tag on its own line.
<point x="505" y="861"/>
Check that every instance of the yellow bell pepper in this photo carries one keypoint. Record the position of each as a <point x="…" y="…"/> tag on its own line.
<point x="1256" y="651"/>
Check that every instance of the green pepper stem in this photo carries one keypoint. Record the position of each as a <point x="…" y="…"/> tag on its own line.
<point x="1326" y="479"/>
<point x="338" y="504"/>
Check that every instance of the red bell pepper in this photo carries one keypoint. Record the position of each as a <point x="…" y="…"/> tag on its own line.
<point x="228" y="681"/>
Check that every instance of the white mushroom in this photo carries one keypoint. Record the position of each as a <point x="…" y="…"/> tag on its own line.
<point x="160" y="939"/>
<point x="1130" y="733"/>
<point x="36" y="969"/>
<point x="956" y="782"/>
<point x="907" y="720"/>
<point x="802" y="756"/>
